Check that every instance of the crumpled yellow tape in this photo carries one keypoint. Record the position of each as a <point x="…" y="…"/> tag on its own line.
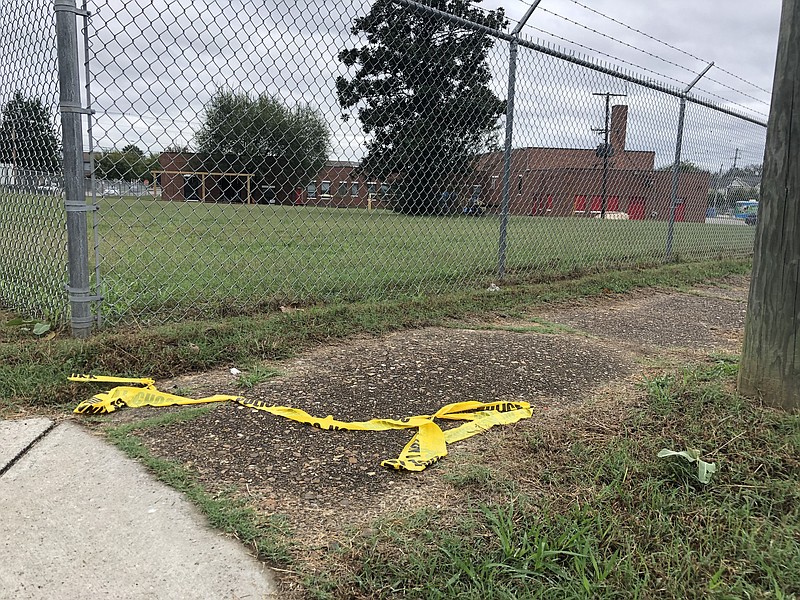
<point x="428" y="445"/>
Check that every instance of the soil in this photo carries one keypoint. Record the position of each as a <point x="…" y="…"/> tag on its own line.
<point x="327" y="482"/>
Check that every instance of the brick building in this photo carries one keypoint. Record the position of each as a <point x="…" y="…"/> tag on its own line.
<point x="569" y="181"/>
<point x="183" y="177"/>
<point x="544" y="182"/>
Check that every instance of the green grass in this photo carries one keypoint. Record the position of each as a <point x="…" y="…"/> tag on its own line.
<point x="268" y="537"/>
<point x="612" y="521"/>
<point x="187" y="259"/>
<point x="33" y="255"/>
<point x="255" y="375"/>
<point x="169" y="261"/>
<point x="33" y="372"/>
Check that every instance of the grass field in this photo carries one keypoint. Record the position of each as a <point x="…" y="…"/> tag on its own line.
<point x="166" y="261"/>
<point x="175" y="260"/>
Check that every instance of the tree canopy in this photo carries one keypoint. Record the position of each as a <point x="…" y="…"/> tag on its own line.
<point x="261" y="136"/>
<point x="28" y="136"/>
<point x="128" y="164"/>
<point x="421" y="92"/>
<point x="686" y="166"/>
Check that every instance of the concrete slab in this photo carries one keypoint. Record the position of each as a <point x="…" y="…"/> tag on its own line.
<point x="16" y="436"/>
<point x="80" y="520"/>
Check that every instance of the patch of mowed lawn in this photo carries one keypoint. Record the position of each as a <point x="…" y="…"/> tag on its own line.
<point x="193" y="259"/>
<point x="606" y="518"/>
<point x="33" y="254"/>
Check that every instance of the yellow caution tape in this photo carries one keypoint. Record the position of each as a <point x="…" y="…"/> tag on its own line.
<point x="428" y="445"/>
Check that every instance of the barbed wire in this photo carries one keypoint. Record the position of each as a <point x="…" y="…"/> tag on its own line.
<point x="668" y="45"/>
<point x="617" y="59"/>
<point x="650" y="54"/>
<point x="728" y="101"/>
<point x="601" y="53"/>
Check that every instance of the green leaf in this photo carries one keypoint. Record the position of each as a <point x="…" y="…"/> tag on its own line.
<point x="19" y="321"/>
<point x="41" y="328"/>
<point x="705" y="470"/>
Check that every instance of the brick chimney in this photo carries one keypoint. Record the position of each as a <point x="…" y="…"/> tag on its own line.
<point x="619" y="127"/>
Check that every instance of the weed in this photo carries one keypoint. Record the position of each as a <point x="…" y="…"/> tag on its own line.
<point x="257" y="374"/>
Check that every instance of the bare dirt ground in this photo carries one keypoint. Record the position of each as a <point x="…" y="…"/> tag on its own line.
<point x="582" y="373"/>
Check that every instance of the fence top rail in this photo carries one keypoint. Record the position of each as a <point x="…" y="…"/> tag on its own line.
<point x="557" y="53"/>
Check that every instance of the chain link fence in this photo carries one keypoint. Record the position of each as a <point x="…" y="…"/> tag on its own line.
<point x="243" y="157"/>
<point x="33" y="243"/>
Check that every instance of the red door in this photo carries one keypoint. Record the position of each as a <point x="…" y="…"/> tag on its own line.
<point x="636" y="209"/>
<point x="680" y="212"/>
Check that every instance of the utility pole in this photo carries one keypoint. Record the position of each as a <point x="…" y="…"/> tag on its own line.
<point x="716" y="189"/>
<point x="770" y="364"/>
<point x="605" y="151"/>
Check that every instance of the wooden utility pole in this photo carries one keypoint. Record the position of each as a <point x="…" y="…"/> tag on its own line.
<point x="770" y="366"/>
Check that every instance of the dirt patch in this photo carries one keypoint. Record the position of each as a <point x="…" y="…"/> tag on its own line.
<point x="707" y="319"/>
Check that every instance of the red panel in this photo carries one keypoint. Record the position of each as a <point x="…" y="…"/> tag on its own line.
<point x="597" y="203"/>
<point x="680" y="212"/>
<point x="636" y="209"/>
<point x="580" y="203"/>
<point x="549" y="203"/>
<point x="612" y="203"/>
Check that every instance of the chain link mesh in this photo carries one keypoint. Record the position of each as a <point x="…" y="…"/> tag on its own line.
<point x="32" y="220"/>
<point x="249" y="155"/>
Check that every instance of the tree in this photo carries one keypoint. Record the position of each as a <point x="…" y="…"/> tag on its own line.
<point x="686" y="166"/>
<point x="129" y="164"/>
<point x="133" y="149"/>
<point x="28" y="137"/>
<point x="770" y="364"/>
<point x="261" y="136"/>
<point x="421" y="91"/>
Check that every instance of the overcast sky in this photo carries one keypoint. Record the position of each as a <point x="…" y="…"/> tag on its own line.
<point x="155" y="63"/>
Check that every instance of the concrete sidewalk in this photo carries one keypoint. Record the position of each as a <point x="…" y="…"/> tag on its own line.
<point x="81" y="520"/>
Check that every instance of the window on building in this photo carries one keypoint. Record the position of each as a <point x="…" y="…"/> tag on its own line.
<point x="495" y="179"/>
<point x="354" y="189"/>
<point x="384" y="189"/>
<point x="311" y="189"/>
<point x="372" y="187"/>
<point x="342" y="191"/>
<point x="325" y="188"/>
<point x="519" y="184"/>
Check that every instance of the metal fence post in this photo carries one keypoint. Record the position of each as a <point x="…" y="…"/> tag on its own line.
<point x="676" y="167"/>
<point x="72" y="139"/>
<point x="504" y="203"/>
<point x="506" y="199"/>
